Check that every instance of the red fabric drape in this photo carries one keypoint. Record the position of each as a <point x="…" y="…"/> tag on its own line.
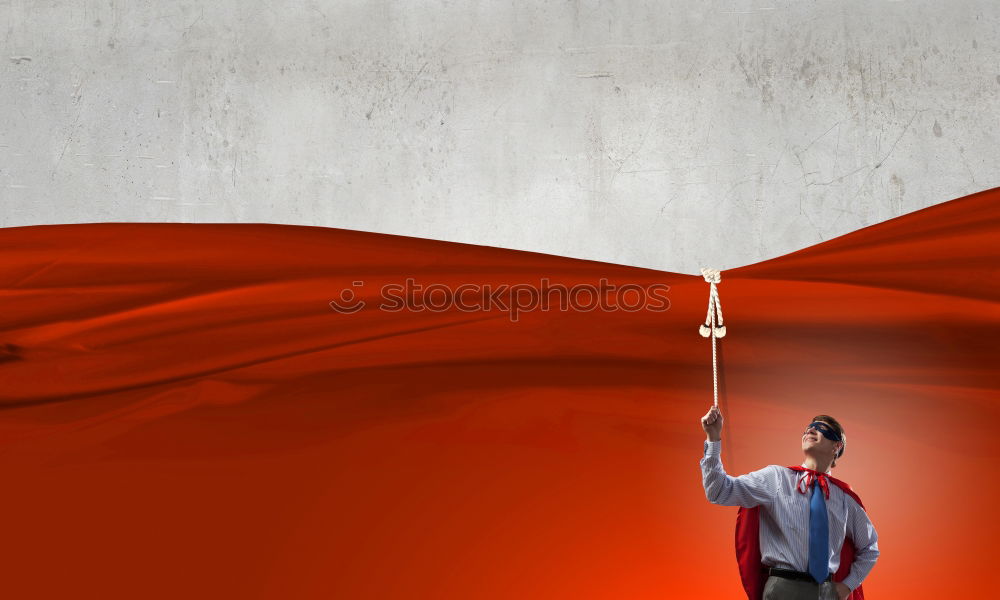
<point x="184" y="415"/>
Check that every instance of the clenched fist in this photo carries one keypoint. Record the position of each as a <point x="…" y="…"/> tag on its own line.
<point x="712" y="424"/>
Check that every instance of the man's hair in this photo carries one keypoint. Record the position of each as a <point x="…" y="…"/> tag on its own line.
<point x="836" y="425"/>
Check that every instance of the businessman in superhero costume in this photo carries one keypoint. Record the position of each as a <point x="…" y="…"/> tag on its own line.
<point x="800" y="532"/>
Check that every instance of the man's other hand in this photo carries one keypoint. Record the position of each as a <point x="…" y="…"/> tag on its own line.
<point x="712" y="424"/>
<point x="842" y="591"/>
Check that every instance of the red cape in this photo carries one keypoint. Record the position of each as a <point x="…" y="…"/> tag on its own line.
<point x="748" y="549"/>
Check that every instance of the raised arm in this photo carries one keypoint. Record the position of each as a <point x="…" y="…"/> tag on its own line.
<point x="752" y="489"/>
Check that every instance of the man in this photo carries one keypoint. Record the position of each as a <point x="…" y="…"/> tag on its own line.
<point x="804" y="516"/>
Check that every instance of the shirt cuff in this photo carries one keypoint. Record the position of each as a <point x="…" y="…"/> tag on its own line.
<point x="713" y="448"/>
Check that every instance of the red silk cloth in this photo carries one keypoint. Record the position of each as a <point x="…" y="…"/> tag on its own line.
<point x="184" y="415"/>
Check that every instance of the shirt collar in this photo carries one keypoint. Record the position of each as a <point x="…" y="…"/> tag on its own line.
<point x="828" y="471"/>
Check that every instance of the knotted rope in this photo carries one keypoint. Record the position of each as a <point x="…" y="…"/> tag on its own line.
<point x="713" y="326"/>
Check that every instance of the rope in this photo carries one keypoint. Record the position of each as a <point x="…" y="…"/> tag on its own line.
<point x="713" y="326"/>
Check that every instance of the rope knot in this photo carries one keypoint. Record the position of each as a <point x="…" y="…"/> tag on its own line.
<point x="711" y="275"/>
<point x="713" y="326"/>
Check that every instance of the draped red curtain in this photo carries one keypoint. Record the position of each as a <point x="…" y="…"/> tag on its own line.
<point x="183" y="413"/>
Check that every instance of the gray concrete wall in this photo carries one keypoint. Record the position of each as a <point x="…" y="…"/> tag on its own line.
<point x="660" y="134"/>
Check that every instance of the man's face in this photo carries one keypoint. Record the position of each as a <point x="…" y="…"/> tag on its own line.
<point x="813" y="442"/>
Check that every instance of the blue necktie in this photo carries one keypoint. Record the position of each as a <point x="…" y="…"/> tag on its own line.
<point x="819" y="535"/>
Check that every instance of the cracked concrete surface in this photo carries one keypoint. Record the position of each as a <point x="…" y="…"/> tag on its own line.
<point x="668" y="135"/>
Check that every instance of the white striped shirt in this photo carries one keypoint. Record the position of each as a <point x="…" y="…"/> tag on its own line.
<point x="784" y="515"/>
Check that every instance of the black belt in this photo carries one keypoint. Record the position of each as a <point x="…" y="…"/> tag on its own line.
<point x="787" y="574"/>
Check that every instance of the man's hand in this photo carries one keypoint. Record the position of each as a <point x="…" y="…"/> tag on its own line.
<point x="712" y="424"/>
<point x="842" y="591"/>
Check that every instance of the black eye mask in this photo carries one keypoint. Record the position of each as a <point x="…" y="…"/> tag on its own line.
<point x="828" y="432"/>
